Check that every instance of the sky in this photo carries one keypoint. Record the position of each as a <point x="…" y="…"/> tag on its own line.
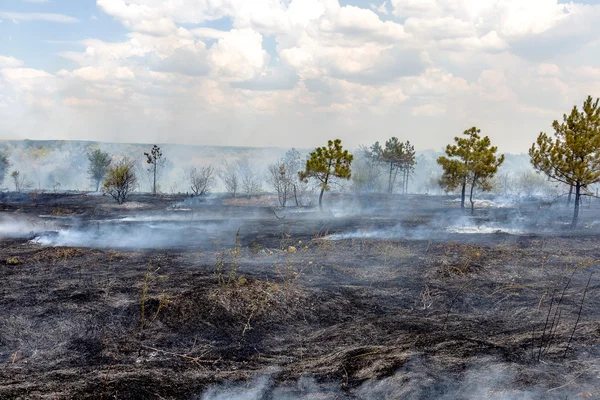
<point x="294" y="73"/>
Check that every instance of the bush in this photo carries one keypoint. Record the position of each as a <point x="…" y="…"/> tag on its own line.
<point x="120" y="180"/>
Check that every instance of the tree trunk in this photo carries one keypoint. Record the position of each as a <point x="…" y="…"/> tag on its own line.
<point x="577" y="201"/>
<point x="471" y="195"/>
<point x="285" y="195"/>
<point x="321" y="198"/>
<point x="97" y="185"/>
<point x="569" y="198"/>
<point x="462" y="196"/>
<point x="390" y="178"/>
<point x="154" y="184"/>
<point x="296" y="196"/>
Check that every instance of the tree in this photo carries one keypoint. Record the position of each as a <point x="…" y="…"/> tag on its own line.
<point x="230" y="177"/>
<point x="367" y="170"/>
<point x="120" y="180"/>
<point x="4" y="166"/>
<point x="407" y="164"/>
<point x="278" y="180"/>
<point x="293" y="162"/>
<point x="20" y="181"/>
<point x="156" y="160"/>
<point x="282" y="177"/>
<point x="573" y="157"/>
<point x="99" y="163"/>
<point x="398" y="157"/>
<point x="201" y="181"/>
<point x="325" y="163"/>
<point x="249" y="182"/>
<point x="472" y="160"/>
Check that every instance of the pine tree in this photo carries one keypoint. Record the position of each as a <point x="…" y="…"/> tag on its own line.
<point x="573" y="156"/>
<point x="154" y="158"/>
<point x="471" y="160"/>
<point x="325" y="163"/>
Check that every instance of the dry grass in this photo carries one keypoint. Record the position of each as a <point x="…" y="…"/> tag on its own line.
<point x="58" y="254"/>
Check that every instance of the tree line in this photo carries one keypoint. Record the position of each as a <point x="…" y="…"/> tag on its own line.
<point x="570" y="157"/>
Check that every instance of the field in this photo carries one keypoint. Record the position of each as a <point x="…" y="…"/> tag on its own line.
<point x="376" y="298"/>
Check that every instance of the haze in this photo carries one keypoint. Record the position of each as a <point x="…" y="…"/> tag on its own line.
<point x="289" y="73"/>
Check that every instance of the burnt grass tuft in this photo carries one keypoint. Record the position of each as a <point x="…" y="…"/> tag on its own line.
<point x="416" y="315"/>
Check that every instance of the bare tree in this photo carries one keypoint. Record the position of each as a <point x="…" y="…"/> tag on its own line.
<point x="278" y="179"/>
<point x="249" y="182"/>
<point x="20" y="181"/>
<point x="120" y="180"/>
<point x="229" y="174"/>
<point x="201" y="180"/>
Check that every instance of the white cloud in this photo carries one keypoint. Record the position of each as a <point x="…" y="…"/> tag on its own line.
<point x="429" y="110"/>
<point x="10" y="62"/>
<point x="239" y="55"/>
<point x="381" y="8"/>
<point x="310" y="67"/>
<point x="20" y="16"/>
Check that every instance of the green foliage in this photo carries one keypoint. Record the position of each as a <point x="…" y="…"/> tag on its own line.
<point x="471" y="160"/>
<point x="325" y="163"/>
<point x="401" y="158"/>
<point x="120" y="180"/>
<point x="573" y="156"/>
<point x="99" y="163"/>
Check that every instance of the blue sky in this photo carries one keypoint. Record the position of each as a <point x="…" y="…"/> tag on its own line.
<point x="38" y="42"/>
<point x="265" y="72"/>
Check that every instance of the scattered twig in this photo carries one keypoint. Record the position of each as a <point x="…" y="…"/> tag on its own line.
<point x="565" y="385"/>
<point x="195" y="359"/>
<point x="578" y="315"/>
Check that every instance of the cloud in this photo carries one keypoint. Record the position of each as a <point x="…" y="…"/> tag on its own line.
<point x="10" y="62"/>
<point x="190" y="60"/>
<point x="278" y="78"/>
<point x="48" y="17"/>
<point x="312" y="67"/>
<point x="239" y="55"/>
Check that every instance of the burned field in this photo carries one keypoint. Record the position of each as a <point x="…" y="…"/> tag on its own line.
<point x="379" y="298"/>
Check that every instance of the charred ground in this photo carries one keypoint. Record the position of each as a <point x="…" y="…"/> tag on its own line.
<point x="378" y="298"/>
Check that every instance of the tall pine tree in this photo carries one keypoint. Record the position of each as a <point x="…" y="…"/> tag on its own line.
<point x="573" y="156"/>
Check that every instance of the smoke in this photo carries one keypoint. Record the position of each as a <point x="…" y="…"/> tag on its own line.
<point x="21" y="227"/>
<point x="143" y="232"/>
<point x="265" y="387"/>
<point x="483" y="378"/>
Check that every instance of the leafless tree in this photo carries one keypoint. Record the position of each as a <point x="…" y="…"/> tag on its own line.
<point x="249" y="182"/>
<point x="282" y="177"/>
<point x="279" y="179"/>
<point x="229" y="174"/>
<point x="20" y="181"/>
<point x="201" y="180"/>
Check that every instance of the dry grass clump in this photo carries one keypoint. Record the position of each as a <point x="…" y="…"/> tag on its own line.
<point x="58" y="254"/>
<point x="460" y="259"/>
<point x="13" y="261"/>
<point x="391" y="252"/>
